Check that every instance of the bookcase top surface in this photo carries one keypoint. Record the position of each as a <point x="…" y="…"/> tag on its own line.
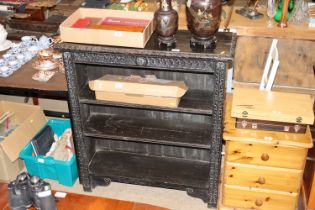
<point x="225" y="47"/>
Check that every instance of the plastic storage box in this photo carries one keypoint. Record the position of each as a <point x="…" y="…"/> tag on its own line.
<point x="66" y="172"/>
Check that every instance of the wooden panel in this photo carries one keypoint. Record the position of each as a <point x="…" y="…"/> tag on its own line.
<point x="272" y="106"/>
<point x="260" y="136"/>
<point x="295" y="73"/>
<point x="258" y="199"/>
<point x="288" y="180"/>
<point x="261" y="154"/>
<point x="146" y="170"/>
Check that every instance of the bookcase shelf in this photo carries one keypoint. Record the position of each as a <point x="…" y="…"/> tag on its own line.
<point x="169" y="132"/>
<point x="150" y="170"/>
<point x="194" y="101"/>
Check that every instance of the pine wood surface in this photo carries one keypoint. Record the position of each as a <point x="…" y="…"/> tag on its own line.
<point x="243" y="25"/>
<point x="296" y="70"/>
<point x="258" y="199"/>
<point x="259" y="136"/>
<point x="272" y="106"/>
<point x="262" y="177"/>
<point x="276" y="156"/>
<point x="247" y="27"/>
<point x="83" y="202"/>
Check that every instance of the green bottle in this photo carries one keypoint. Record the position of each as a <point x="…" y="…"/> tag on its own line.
<point x="279" y="10"/>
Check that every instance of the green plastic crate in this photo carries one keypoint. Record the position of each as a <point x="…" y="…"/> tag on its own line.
<point x="65" y="172"/>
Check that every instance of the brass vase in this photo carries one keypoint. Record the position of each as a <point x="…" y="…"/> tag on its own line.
<point x="203" y="20"/>
<point x="166" y="23"/>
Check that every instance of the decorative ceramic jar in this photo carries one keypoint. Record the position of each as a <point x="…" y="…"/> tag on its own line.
<point x="203" y="17"/>
<point x="166" y="22"/>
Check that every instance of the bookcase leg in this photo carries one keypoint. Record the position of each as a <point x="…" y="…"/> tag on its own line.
<point x="198" y="193"/>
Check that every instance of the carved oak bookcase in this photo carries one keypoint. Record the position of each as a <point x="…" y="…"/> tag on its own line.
<point x="177" y="148"/>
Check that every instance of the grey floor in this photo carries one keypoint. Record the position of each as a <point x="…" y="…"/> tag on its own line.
<point x="172" y="199"/>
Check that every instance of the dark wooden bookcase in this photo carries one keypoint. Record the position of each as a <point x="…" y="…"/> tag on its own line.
<point x="177" y="148"/>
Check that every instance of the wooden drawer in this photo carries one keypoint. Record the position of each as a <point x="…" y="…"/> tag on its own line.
<point x="267" y="155"/>
<point x="263" y="177"/>
<point x="258" y="199"/>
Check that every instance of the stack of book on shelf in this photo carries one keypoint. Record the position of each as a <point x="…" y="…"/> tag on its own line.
<point x="273" y="111"/>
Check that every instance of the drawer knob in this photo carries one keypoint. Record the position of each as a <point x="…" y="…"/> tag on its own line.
<point x="264" y="157"/>
<point x="261" y="180"/>
<point x="259" y="202"/>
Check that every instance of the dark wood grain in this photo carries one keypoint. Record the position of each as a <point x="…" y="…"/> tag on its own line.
<point x="21" y="82"/>
<point x="169" y="132"/>
<point x="145" y="169"/>
<point x="224" y="50"/>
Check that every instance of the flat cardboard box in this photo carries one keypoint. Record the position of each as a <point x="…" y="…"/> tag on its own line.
<point x="106" y="37"/>
<point x="272" y="106"/>
<point x="30" y="120"/>
<point x="139" y="90"/>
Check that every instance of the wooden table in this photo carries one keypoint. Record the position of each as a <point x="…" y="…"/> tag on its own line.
<point x="75" y="201"/>
<point x="253" y="28"/>
<point x="258" y="28"/>
<point x="21" y="83"/>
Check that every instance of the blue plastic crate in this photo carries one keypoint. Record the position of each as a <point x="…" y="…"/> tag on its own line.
<point x="66" y="172"/>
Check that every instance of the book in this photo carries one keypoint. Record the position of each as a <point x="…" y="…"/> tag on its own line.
<point x="85" y="22"/>
<point x="125" y="21"/>
<point x="43" y="141"/>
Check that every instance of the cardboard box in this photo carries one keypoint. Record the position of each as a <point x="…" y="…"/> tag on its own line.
<point x="30" y="120"/>
<point x="139" y="90"/>
<point x="106" y="37"/>
<point x="272" y="106"/>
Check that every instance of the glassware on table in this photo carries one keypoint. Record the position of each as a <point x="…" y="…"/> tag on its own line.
<point x="299" y="14"/>
<point x="272" y="6"/>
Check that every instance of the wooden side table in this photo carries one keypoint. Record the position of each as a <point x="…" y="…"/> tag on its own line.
<point x="263" y="169"/>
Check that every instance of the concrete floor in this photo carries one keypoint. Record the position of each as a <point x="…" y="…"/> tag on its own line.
<point x="172" y="199"/>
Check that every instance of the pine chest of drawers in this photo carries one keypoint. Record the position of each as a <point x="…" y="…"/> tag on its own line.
<point x="263" y="169"/>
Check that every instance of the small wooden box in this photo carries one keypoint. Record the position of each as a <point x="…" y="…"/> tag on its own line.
<point x="272" y="106"/>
